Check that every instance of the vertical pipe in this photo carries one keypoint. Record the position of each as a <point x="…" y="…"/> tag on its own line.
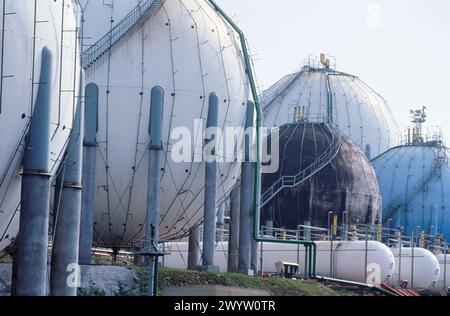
<point x="210" y="196"/>
<point x="413" y="244"/>
<point x="331" y="257"/>
<point x="154" y="175"/>
<point x="261" y="259"/>
<point x="30" y="261"/>
<point x="254" y="243"/>
<point x="306" y="263"/>
<point x="366" y="253"/>
<point x="88" y="178"/>
<point x="434" y="219"/>
<point x="233" y="240"/>
<point x="2" y="55"/>
<point x="445" y="266"/>
<point x="269" y="228"/>
<point x="194" y="248"/>
<point x="220" y="222"/>
<point x="307" y="231"/>
<point x="210" y="205"/>
<point x="254" y="256"/>
<point x="388" y="242"/>
<point x="399" y="256"/>
<point x="64" y="275"/>
<point x="247" y="185"/>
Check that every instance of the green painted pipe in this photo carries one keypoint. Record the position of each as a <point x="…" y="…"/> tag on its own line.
<point x="257" y="185"/>
<point x="309" y="245"/>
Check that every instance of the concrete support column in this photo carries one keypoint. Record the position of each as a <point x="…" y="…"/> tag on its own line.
<point x="210" y="205"/>
<point x="269" y="228"/>
<point x="233" y="238"/>
<point x="194" y="248"/>
<point x="154" y="176"/>
<point x="246" y="211"/>
<point x="30" y="260"/>
<point x="65" y="271"/>
<point x="88" y="179"/>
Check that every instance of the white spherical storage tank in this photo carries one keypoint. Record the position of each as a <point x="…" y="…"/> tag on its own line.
<point x="346" y="262"/>
<point x="188" y="49"/>
<point x="321" y="94"/>
<point x="418" y="266"/>
<point x="29" y="26"/>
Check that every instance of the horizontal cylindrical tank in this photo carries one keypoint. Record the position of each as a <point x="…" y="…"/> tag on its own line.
<point x="30" y="26"/>
<point x="188" y="49"/>
<point x="322" y="94"/>
<point x="417" y="266"/>
<point x="414" y="181"/>
<point x="322" y="171"/>
<point x="348" y="260"/>
<point x="443" y="284"/>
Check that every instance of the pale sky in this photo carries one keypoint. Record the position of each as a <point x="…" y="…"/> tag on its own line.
<point x="400" y="48"/>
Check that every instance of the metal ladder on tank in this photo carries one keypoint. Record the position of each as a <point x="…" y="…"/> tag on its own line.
<point x="295" y="180"/>
<point x="393" y="207"/>
<point x="136" y="17"/>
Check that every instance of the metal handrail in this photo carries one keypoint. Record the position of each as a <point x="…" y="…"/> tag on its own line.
<point x="395" y="204"/>
<point x="305" y="174"/>
<point x="142" y="11"/>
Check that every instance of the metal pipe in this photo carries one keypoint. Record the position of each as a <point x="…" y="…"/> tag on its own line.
<point x="210" y="205"/>
<point x="445" y="266"/>
<point x="220" y="222"/>
<point x="194" y="248"/>
<point x="269" y="228"/>
<point x="247" y="202"/>
<point x="399" y="255"/>
<point x="366" y="253"/>
<point x="412" y="259"/>
<point x="261" y="258"/>
<point x="345" y="225"/>
<point x="153" y="190"/>
<point x="64" y="275"/>
<point x="88" y="179"/>
<point x="233" y="238"/>
<point x="254" y="256"/>
<point x="30" y="261"/>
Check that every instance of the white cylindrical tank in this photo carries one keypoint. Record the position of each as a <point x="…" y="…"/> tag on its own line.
<point x="348" y="258"/>
<point x="418" y="266"/>
<point x="28" y="27"/>
<point x="346" y="261"/>
<point x="443" y="283"/>
<point x="188" y="49"/>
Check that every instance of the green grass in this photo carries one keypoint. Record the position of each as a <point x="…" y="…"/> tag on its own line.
<point x="276" y="286"/>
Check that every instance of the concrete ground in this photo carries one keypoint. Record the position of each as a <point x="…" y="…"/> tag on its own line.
<point x="104" y="280"/>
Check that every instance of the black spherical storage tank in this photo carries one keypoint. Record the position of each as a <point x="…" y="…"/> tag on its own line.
<point x="320" y="171"/>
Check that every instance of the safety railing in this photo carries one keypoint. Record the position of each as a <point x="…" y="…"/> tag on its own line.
<point x="142" y="11"/>
<point x="392" y="208"/>
<point x="292" y="181"/>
